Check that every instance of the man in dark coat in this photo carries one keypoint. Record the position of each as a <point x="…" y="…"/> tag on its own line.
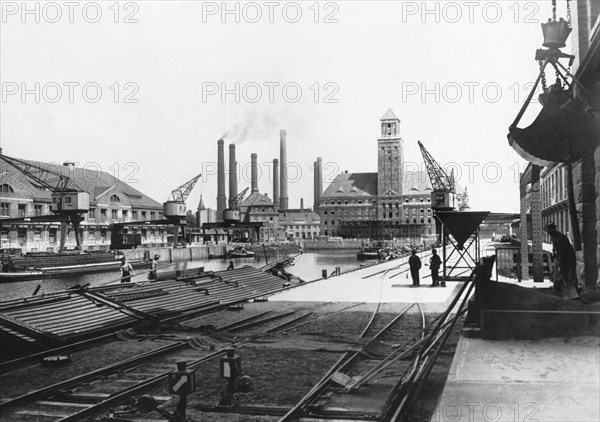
<point x="434" y="265"/>
<point x="414" y="262"/>
<point x="566" y="260"/>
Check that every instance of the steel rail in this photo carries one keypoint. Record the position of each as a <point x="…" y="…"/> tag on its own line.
<point x="345" y="360"/>
<point x="441" y="331"/>
<point x="90" y="375"/>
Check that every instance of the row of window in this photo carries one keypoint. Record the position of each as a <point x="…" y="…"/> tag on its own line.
<point x="91" y="232"/>
<point x="39" y="210"/>
<point x="413" y="220"/>
<point x="351" y="211"/>
<point x="374" y="202"/>
<point x="554" y="187"/>
<point x="303" y="227"/>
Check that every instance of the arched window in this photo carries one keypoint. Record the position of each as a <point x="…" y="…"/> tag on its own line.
<point x="114" y="198"/>
<point x="6" y="188"/>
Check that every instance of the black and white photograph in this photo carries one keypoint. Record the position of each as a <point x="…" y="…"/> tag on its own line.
<point x="300" y="211"/>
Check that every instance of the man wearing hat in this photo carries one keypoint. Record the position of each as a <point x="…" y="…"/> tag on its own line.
<point x="434" y="265"/>
<point x="565" y="258"/>
<point x="414" y="262"/>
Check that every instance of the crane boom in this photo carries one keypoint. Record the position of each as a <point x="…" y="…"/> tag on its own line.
<point x="440" y="181"/>
<point x="51" y="180"/>
<point x="235" y="202"/>
<point x="181" y="193"/>
<point x="69" y="201"/>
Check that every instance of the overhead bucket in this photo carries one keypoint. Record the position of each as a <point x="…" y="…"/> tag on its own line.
<point x="563" y="131"/>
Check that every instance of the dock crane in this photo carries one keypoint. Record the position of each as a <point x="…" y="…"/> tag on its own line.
<point x="174" y="209"/>
<point x="69" y="201"/>
<point x="443" y="196"/>
<point x="233" y="212"/>
<point x="174" y="214"/>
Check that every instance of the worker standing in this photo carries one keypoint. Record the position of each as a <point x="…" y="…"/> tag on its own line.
<point x="126" y="271"/>
<point x="565" y="258"/>
<point x="153" y="265"/>
<point x="434" y="265"/>
<point x="414" y="262"/>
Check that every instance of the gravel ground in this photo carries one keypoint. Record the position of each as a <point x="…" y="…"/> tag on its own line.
<point x="280" y="375"/>
<point x="33" y="376"/>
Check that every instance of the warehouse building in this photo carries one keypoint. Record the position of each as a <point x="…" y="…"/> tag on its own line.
<point x="388" y="204"/>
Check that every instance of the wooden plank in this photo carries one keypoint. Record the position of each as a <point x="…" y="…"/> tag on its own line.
<point x="61" y="404"/>
<point x="42" y="413"/>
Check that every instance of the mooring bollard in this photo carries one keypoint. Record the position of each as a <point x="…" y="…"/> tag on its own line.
<point x="324" y="274"/>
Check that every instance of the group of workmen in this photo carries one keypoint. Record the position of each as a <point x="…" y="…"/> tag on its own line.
<point x="564" y="272"/>
<point x="415" y="264"/>
<point x="127" y="270"/>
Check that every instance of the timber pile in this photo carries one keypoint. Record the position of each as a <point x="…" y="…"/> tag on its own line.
<point x="78" y="314"/>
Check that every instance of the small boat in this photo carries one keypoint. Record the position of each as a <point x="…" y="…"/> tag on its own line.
<point x="40" y="266"/>
<point x="368" y="253"/>
<point x="240" y="252"/>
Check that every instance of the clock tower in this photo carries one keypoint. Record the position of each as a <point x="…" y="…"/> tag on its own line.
<point x="390" y="157"/>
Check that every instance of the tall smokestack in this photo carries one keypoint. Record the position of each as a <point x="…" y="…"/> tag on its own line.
<point x="221" y="199"/>
<point x="283" y="197"/>
<point x="233" y="190"/>
<point x="301" y="204"/>
<point x="253" y="173"/>
<point x="276" y="182"/>
<point x="318" y="186"/>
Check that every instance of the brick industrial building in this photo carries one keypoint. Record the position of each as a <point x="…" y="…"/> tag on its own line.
<point x="388" y="204"/>
<point x="111" y="201"/>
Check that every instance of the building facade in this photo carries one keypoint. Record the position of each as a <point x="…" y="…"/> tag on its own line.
<point x="553" y="197"/>
<point x="111" y="201"/>
<point x="388" y="204"/>
<point x="205" y="215"/>
<point x="258" y="208"/>
<point x="300" y="224"/>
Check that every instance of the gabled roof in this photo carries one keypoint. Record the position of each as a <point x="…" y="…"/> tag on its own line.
<point x="416" y="183"/>
<point x="365" y="184"/>
<point x="19" y="186"/>
<point x="96" y="183"/>
<point x="257" y="199"/>
<point x="352" y="184"/>
<point x="389" y="115"/>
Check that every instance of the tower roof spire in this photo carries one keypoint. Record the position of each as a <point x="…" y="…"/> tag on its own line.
<point x="201" y="206"/>
<point x="389" y="115"/>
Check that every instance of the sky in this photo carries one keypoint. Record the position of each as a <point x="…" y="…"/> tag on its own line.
<point x="144" y="89"/>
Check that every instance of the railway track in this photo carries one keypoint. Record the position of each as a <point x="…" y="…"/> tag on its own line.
<point x="313" y="404"/>
<point x="422" y="351"/>
<point x="97" y="391"/>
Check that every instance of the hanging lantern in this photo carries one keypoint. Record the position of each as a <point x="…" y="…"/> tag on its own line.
<point x="556" y="33"/>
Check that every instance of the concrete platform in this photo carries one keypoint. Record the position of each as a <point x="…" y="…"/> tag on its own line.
<point x="391" y="285"/>
<point x="542" y="380"/>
